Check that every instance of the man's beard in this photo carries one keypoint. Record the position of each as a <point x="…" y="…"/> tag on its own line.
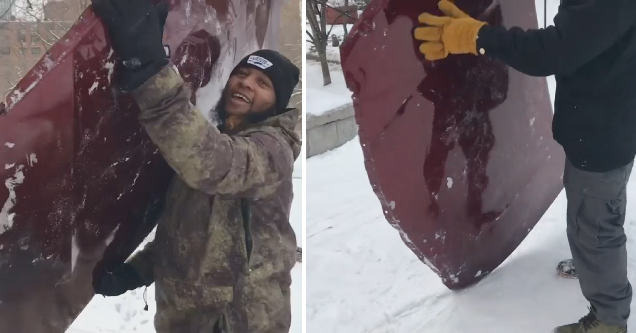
<point x="247" y="119"/>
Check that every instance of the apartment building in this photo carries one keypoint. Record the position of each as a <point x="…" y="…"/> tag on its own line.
<point x="26" y="34"/>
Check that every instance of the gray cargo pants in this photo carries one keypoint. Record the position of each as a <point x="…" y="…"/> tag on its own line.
<point x="595" y="215"/>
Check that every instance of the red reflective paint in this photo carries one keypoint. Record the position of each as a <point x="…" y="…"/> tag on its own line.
<point x="76" y="168"/>
<point x="459" y="151"/>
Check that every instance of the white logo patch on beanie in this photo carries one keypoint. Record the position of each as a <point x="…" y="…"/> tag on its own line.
<point x="259" y="62"/>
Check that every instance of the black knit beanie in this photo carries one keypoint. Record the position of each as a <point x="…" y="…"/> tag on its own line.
<point x="283" y="73"/>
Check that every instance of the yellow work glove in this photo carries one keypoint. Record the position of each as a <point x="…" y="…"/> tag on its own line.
<point x="455" y="33"/>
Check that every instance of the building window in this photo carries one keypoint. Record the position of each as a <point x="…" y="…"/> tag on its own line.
<point x="5" y="50"/>
<point x="36" y="50"/>
<point x="35" y="39"/>
<point x="22" y="51"/>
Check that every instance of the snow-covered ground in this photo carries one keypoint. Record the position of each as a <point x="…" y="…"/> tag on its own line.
<point x="125" y="313"/>
<point x="324" y="98"/>
<point x="362" y="278"/>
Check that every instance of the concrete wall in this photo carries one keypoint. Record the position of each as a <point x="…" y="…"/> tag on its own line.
<point x="330" y="130"/>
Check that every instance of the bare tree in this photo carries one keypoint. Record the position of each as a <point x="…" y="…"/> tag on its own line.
<point x="48" y="30"/>
<point x="7" y="12"/>
<point x="320" y="32"/>
<point x="29" y="33"/>
<point x="346" y="21"/>
<point x="317" y="18"/>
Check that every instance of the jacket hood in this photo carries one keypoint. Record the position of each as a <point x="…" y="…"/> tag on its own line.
<point x="286" y="122"/>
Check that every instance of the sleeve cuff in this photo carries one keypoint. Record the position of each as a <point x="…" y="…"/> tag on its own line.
<point x="155" y="89"/>
<point x="484" y="41"/>
<point x="145" y="271"/>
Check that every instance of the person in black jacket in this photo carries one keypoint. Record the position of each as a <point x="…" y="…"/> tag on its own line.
<point x="591" y="50"/>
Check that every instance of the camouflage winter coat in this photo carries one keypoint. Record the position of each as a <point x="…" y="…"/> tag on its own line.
<point x="224" y="248"/>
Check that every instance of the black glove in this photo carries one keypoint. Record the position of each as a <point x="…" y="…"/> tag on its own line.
<point x="136" y="30"/>
<point x="117" y="282"/>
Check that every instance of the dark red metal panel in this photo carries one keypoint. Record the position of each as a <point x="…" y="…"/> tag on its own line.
<point x="79" y="178"/>
<point x="459" y="151"/>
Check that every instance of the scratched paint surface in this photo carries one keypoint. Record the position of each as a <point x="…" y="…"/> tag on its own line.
<point x="79" y="179"/>
<point x="459" y="151"/>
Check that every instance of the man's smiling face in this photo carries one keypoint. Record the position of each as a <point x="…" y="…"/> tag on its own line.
<point x="249" y="90"/>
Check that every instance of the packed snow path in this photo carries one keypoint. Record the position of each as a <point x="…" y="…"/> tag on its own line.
<point x="362" y="278"/>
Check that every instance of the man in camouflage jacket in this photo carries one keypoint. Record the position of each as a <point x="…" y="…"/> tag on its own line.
<point x="224" y="247"/>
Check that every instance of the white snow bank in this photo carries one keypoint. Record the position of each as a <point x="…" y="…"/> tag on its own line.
<point x="320" y="98"/>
